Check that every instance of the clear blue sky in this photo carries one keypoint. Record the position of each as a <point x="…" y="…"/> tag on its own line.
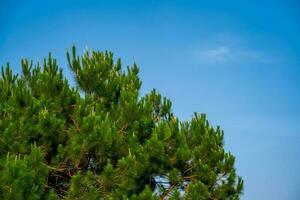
<point x="237" y="61"/>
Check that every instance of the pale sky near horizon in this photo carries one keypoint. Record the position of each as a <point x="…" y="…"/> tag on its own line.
<point x="236" y="61"/>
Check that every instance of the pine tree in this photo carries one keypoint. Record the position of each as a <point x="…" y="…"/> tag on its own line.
<point x="102" y="139"/>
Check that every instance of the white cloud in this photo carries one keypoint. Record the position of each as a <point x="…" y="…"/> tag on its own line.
<point x="216" y="54"/>
<point x="234" y="53"/>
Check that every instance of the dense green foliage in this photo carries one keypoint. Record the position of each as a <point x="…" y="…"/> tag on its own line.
<point x="102" y="140"/>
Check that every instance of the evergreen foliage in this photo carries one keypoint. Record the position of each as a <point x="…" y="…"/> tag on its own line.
<point x="102" y="140"/>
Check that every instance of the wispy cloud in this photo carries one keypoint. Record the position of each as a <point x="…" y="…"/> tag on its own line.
<point x="228" y="48"/>
<point x="227" y="53"/>
<point x="219" y="53"/>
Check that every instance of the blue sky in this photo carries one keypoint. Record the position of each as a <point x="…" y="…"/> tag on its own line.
<point x="236" y="61"/>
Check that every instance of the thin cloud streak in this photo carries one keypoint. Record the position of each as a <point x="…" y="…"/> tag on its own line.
<point x="228" y="54"/>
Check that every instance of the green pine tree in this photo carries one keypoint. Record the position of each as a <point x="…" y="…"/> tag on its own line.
<point x="102" y="140"/>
